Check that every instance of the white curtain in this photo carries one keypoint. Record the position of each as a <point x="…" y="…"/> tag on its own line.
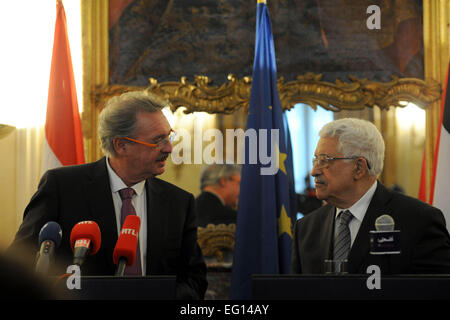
<point x="25" y="63"/>
<point x="19" y="174"/>
<point x="28" y="166"/>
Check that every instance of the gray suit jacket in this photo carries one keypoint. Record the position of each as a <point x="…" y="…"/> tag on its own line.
<point x="424" y="240"/>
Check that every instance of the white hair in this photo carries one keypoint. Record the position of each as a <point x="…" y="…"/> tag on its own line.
<point x="358" y="138"/>
<point x="212" y="174"/>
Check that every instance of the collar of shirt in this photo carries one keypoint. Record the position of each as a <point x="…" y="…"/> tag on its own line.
<point x="359" y="208"/>
<point x="117" y="183"/>
<point x="358" y="211"/>
<point x="139" y="203"/>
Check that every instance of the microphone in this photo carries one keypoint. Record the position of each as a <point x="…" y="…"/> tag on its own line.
<point x="385" y="240"/>
<point x="125" y="251"/>
<point x="384" y="223"/>
<point x="49" y="240"/>
<point x="85" y="239"/>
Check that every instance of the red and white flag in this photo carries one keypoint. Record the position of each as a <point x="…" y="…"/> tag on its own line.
<point x="440" y="186"/>
<point x="63" y="141"/>
<point x="423" y="179"/>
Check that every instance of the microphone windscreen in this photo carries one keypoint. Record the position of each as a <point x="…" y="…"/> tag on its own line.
<point x="87" y="230"/>
<point x="384" y="223"/>
<point x="128" y="239"/>
<point x="51" y="231"/>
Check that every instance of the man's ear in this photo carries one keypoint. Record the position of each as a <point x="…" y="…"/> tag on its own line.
<point x="360" y="169"/>
<point x="222" y="181"/>
<point x="119" y="146"/>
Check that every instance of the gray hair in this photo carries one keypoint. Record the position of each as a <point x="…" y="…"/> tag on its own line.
<point x="360" y="138"/>
<point x="212" y="174"/>
<point x="118" y="118"/>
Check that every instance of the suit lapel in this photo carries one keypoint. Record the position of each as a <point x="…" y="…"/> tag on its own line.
<point x="156" y="222"/>
<point x="101" y="204"/>
<point x="328" y="236"/>
<point x="361" y="246"/>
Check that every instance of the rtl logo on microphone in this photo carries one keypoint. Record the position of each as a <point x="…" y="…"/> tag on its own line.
<point x="82" y="243"/>
<point x="129" y="232"/>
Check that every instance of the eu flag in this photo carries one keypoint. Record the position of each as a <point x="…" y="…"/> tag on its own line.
<point x="263" y="231"/>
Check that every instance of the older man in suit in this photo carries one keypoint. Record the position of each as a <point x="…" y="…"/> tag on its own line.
<point x="135" y="137"/>
<point x="347" y="161"/>
<point x="218" y="201"/>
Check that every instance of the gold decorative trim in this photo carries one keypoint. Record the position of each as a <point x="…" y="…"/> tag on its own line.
<point x="103" y="93"/>
<point x="309" y="89"/>
<point x="215" y="238"/>
<point x="357" y="94"/>
<point x="94" y="24"/>
<point x="436" y="42"/>
<point x="200" y="96"/>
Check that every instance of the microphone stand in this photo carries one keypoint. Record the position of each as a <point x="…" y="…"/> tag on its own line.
<point x="79" y="255"/>
<point x="121" y="267"/>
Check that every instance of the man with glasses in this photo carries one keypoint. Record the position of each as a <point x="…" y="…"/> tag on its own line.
<point x="347" y="161"/>
<point x="136" y="140"/>
<point x="217" y="203"/>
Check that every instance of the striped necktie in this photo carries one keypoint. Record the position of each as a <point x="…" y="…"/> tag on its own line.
<point x="343" y="240"/>
<point x="126" y="195"/>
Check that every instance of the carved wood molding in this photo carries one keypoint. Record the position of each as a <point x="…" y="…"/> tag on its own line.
<point x="212" y="239"/>
<point x="200" y="95"/>
<point x="358" y="93"/>
<point x="101" y="94"/>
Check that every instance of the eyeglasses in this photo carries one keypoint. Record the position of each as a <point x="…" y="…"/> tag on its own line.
<point x="158" y="144"/>
<point x="322" y="161"/>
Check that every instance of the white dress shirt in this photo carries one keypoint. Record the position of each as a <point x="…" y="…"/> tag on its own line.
<point x="139" y="202"/>
<point x="358" y="211"/>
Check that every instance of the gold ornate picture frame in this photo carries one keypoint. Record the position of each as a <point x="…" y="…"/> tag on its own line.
<point x="309" y="88"/>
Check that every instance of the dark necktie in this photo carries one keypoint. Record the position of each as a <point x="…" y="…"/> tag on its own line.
<point x="343" y="240"/>
<point x="126" y="195"/>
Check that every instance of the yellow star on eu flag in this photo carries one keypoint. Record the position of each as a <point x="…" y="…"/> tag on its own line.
<point x="284" y="223"/>
<point x="281" y="158"/>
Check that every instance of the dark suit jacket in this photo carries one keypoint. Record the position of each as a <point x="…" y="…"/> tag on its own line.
<point x="424" y="240"/>
<point x="211" y="210"/>
<point x="72" y="194"/>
